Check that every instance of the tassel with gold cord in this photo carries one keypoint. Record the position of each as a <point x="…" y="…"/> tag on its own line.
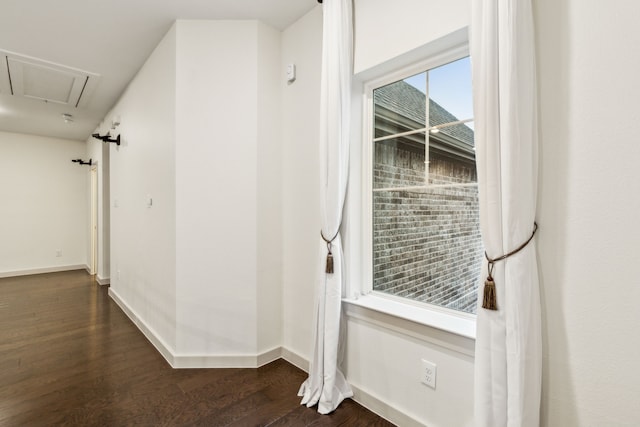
<point x="329" y="263"/>
<point x="329" y="266"/>
<point x="489" y="298"/>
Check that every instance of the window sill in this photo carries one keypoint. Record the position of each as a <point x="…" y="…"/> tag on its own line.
<point x="442" y="327"/>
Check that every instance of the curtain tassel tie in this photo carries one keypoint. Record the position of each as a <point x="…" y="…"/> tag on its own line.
<point x="329" y="264"/>
<point x="489" y="299"/>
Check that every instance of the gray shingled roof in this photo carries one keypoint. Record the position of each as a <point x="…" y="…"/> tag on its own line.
<point x="409" y="102"/>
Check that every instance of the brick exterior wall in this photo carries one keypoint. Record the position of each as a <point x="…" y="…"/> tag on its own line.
<point x="427" y="244"/>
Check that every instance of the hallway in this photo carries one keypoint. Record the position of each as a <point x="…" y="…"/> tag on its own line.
<point x="70" y="356"/>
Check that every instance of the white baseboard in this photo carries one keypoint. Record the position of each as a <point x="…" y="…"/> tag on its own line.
<point x="31" y="271"/>
<point x="178" y="361"/>
<point x="364" y="398"/>
<point x="295" y="359"/>
<point x="153" y="338"/>
<point x="383" y="409"/>
<point x="226" y="361"/>
<point x="269" y="356"/>
<point x="103" y="280"/>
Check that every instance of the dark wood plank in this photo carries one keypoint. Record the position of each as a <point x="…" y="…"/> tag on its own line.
<point x="69" y="356"/>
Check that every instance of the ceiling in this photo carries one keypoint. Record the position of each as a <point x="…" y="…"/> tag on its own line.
<point x="108" y="40"/>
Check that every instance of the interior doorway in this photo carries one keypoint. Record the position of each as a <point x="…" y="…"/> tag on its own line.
<point x="93" y="262"/>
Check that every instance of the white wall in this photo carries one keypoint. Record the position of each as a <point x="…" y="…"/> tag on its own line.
<point x="383" y="30"/>
<point x="301" y="44"/>
<point x="269" y="190"/>
<point x="143" y="239"/>
<point x="228" y="188"/>
<point x="200" y="270"/>
<point x="44" y="204"/>
<point x="216" y="186"/>
<point x="589" y="199"/>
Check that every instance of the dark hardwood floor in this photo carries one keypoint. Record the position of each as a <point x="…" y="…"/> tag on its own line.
<point x="69" y="356"/>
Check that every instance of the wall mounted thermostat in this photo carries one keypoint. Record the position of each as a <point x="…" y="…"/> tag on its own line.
<point x="291" y="73"/>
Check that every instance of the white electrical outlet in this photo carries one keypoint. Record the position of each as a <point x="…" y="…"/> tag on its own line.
<point x="428" y="374"/>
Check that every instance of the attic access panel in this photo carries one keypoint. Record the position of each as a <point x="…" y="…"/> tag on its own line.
<point x="45" y="81"/>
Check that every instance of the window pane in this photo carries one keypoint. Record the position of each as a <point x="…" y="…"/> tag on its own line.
<point x="400" y="106"/>
<point x="427" y="245"/>
<point x="452" y="156"/>
<point x="426" y="239"/>
<point x="450" y="89"/>
<point x="399" y="162"/>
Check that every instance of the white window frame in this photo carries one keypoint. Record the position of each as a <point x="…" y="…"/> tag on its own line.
<point x="362" y="301"/>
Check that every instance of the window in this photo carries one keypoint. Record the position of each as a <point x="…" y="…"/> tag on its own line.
<point x="425" y="234"/>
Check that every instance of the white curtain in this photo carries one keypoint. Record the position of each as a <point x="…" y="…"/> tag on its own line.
<point x="508" y="343"/>
<point x="326" y="385"/>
